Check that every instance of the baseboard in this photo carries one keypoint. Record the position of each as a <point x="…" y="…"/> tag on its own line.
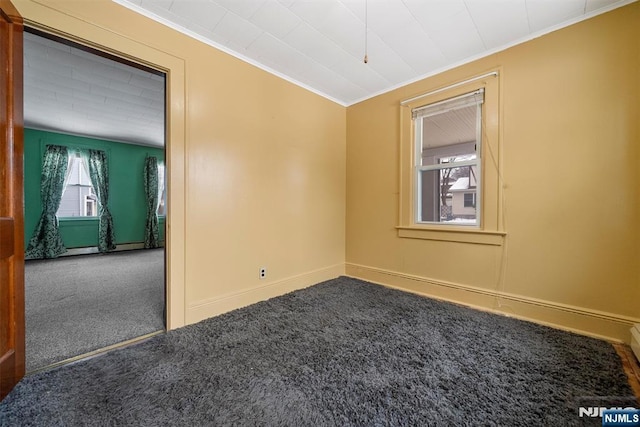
<point x="94" y="249"/>
<point x="603" y="325"/>
<point x="213" y="307"/>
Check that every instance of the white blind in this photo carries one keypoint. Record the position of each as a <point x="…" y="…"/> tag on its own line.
<point x="461" y="101"/>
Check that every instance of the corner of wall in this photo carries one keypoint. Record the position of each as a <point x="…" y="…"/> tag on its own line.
<point x="201" y="310"/>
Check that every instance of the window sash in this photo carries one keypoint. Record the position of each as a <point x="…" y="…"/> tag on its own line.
<point x="472" y="98"/>
<point x="474" y="162"/>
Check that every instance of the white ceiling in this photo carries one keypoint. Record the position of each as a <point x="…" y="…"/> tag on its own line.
<point x="73" y="91"/>
<point x="320" y="44"/>
<point x="317" y="44"/>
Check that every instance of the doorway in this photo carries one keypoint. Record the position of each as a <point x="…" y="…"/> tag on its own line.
<point x="88" y="299"/>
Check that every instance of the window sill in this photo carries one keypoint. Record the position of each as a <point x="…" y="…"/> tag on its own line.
<point x="473" y="236"/>
<point x="78" y="218"/>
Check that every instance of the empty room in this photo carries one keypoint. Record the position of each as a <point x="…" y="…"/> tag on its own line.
<point x="378" y="212"/>
<point x="96" y="278"/>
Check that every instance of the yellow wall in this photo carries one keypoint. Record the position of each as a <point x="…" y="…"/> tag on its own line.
<point x="570" y="142"/>
<point x="257" y="180"/>
<point x="256" y="164"/>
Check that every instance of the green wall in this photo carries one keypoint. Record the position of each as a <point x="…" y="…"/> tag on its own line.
<point x="126" y="188"/>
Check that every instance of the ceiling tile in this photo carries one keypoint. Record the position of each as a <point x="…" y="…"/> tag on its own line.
<point x="156" y="6"/>
<point x="356" y="70"/>
<point x="388" y="16"/>
<point x="88" y="96"/>
<point x="457" y="37"/>
<point x="315" y="13"/>
<point x="286" y="3"/>
<point x="147" y="83"/>
<point x="275" y="19"/>
<point x="103" y="71"/>
<point x="39" y="93"/>
<point x="38" y="49"/>
<point x="356" y="7"/>
<point x="202" y="13"/>
<point x="52" y="67"/>
<point x="421" y="54"/>
<point x="547" y="13"/>
<point x="386" y="62"/>
<point x="499" y="21"/>
<point x="61" y="83"/>
<point x="394" y="23"/>
<point x="344" y="29"/>
<point x="86" y="76"/>
<point x="593" y="5"/>
<point x="241" y="31"/>
<point x="433" y="15"/>
<point x="267" y="47"/>
<point x="49" y="44"/>
<point x="332" y="83"/>
<point x="313" y="44"/>
<point x="242" y="8"/>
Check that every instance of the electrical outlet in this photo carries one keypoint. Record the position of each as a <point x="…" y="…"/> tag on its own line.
<point x="263" y="272"/>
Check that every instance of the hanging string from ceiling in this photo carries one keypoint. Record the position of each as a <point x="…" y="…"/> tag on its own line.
<point x="366" y="7"/>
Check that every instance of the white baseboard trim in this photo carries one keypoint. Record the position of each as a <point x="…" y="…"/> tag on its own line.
<point x="94" y="249"/>
<point x="594" y="323"/>
<point x="204" y="309"/>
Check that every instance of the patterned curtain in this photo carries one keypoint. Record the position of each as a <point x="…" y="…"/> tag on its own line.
<point x="99" y="174"/>
<point x="151" y="235"/>
<point x="46" y="241"/>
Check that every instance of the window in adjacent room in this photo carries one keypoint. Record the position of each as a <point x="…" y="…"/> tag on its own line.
<point x="79" y="197"/>
<point x="448" y="140"/>
<point x="162" y="190"/>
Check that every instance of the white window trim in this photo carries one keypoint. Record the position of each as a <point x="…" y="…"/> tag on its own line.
<point x="489" y="229"/>
<point x="162" y="189"/>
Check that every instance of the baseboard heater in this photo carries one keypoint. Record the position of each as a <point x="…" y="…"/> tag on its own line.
<point x="635" y="340"/>
<point x="94" y="249"/>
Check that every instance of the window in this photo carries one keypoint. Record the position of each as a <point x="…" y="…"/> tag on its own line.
<point x="162" y="190"/>
<point x="79" y="198"/>
<point x="450" y="163"/>
<point x="469" y="200"/>
<point x="90" y="206"/>
<point x="448" y="140"/>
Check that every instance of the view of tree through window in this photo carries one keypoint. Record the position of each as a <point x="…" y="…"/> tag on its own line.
<point x="447" y="140"/>
<point x="79" y="198"/>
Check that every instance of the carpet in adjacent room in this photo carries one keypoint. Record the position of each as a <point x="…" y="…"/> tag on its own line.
<point x="78" y="304"/>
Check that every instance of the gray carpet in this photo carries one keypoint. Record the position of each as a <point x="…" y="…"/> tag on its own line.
<point x="341" y="353"/>
<point x="77" y="304"/>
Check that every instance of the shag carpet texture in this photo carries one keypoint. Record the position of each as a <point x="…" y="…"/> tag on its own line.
<point x="340" y="353"/>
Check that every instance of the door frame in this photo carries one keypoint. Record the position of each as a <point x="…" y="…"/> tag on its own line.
<point x="12" y="327"/>
<point x="58" y="19"/>
<point x="102" y="54"/>
<point x="55" y="22"/>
